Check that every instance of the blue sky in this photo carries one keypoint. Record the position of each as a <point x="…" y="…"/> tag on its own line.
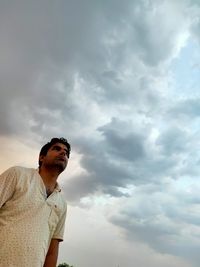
<point x="185" y="70"/>
<point x="119" y="80"/>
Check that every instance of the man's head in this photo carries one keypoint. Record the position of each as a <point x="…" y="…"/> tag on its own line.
<point x="55" y="153"/>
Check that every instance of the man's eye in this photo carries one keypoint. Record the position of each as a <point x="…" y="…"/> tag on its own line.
<point x="56" y="148"/>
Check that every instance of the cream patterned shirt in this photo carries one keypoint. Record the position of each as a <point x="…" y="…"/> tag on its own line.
<point x="28" y="219"/>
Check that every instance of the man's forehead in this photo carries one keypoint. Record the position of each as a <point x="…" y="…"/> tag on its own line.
<point x="60" y="145"/>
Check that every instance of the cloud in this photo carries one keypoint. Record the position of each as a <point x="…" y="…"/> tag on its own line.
<point x="186" y="109"/>
<point x="105" y="240"/>
<point x="120" y="158"/>
<point x="164" y="220"/>
<point x="44" y="51"/>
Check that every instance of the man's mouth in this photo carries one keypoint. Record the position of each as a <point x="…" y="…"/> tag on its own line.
<point x="61" y="158"/>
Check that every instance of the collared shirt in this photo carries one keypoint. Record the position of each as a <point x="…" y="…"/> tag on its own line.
<point x="28" y="219"/>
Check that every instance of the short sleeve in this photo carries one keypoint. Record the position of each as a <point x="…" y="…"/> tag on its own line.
<point x="59" y="232"/>
<point x="8" y="181"/>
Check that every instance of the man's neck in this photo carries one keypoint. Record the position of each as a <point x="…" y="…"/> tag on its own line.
<point x="49" y="177"/>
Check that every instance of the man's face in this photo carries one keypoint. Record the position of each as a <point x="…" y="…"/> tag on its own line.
<point x="57" y="156"/>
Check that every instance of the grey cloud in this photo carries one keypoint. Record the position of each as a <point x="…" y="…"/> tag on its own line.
<point x="80" y="187"/>
<point x="186" y="109"/>
<point x="163" y="221"/>
<point x="174" y="141"/>
<point x="123" y="156"/>
<point x="155" y="32"/>
<point x="45" y="37"/>
<point x="38" y="43"/>
<point x="128" y="146"/>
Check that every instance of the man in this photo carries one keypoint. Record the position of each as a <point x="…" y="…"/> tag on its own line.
<point x="32" y="210"/>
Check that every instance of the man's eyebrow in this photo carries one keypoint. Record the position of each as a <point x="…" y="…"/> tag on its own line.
<point x="57" y="146"/>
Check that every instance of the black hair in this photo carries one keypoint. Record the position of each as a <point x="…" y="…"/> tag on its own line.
<point x="53" y="141"/>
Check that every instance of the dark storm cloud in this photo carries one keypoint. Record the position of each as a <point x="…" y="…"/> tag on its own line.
<point x="45" y="42"/>
<point x="125" y="155"/>
<point x="108" y="161"/>
<point x="38" y="49"/>
<point x="121" y="143"/>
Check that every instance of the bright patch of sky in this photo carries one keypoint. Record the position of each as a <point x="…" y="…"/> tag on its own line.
<point x="184" y="184"/>
<point x="185" y="70"/>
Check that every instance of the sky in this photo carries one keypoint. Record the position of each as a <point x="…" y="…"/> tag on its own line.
<point x="120" y="80"/>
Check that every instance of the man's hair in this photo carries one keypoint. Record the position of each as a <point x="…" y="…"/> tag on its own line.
<point x="53" y="141"/>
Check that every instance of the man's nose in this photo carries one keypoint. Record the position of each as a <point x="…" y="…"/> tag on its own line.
<point x="63" y="152"/>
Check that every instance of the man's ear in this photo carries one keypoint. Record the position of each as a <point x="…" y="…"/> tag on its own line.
<point x="41" y="158"/>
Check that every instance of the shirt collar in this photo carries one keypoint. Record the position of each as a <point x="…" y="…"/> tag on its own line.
<point x="57" y="187"/>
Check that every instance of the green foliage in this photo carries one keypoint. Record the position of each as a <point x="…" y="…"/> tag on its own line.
<point x="64" y="264"/>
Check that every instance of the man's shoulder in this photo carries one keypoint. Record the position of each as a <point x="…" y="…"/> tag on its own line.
<point x="19" y="171"/>
<point x="24" y="175"/>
